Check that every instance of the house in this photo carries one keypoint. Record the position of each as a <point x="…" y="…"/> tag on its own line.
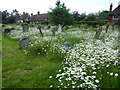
<point x="20" y="18"/>
<point x="100" y="18"/>
<point x="31" y="18"/>
<point x="38" y="17"/>
<point x="114" y="16"/>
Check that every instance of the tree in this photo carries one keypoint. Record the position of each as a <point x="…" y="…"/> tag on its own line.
<point x="14" y="12"/>
<point x="60" y="15"/>
<point x="5" y="15"/>
<point x="79" y="17"/>
<point x="104" y="14"/>
<point x="11" y="19"/>
<point x="76" y="15"/>
<point x="91" y="17"/>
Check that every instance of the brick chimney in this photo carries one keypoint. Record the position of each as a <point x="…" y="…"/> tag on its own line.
<point x="31" y="14"/>
<point x="111" y="7"/>
<point x="110" y="15"/>
<point x="23" y="13"/>
<point x="38" y="13"/>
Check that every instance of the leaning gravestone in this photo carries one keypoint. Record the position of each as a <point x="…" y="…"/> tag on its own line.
<point x="67" y="45"/>
<point x="59" y="28"/>
<point x="25" y="28"/>
<point x="24" y="42"/>
<point x="98" y="32"/>
<point x="39" y="27"/>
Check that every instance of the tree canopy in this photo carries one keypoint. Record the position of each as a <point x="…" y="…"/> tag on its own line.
<point x="60" y="15"/>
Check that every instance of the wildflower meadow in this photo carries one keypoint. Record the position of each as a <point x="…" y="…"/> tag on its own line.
<point x="88" y="63"/>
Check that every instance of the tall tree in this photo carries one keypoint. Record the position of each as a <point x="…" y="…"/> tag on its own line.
<point x="104" y="14"/>
<point x="60" y="15"/>
<point x="5" y="15"/>
<point x="79" y="17"/>
<point x="91" y="17"/>
<point x="15" y="12"/>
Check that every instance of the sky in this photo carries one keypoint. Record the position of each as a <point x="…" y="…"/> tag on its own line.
<point x="43" y="6"/>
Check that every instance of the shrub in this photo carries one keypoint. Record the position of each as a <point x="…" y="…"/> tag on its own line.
<point x="94" y="23"/>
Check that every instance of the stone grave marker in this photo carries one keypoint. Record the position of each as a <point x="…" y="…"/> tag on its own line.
<point x="24" y="42"/>
<point x="39" y="27"/>
<point x="67" y="46"/>
<point x="59" y="28"/>
<point x="53" y="31"/>
<point x="25" y="28"/>
<point x="98" y="32"/>
<point x="7" y="31"/>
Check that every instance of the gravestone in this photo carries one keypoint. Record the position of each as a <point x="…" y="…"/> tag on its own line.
<point x="59" y="28"/>
<point x="67" y="46"/>
<point x="7" y="31"/>
<point x="25" y="28"/>
<point x="39" y="27"/>
<point x="98" y="32"/>
<point x="42" y="27"/>
<point x="9" y="27"/>
<point x="53" y="32"/>
<point x="24" y="42"/>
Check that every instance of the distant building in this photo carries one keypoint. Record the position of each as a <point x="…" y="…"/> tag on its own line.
<point x="100" y="18"/>
<point x="20" y="18"/>
<point x="114" y="16"/>
<point x="38" y="18"/>
<point x="32" y="18"/>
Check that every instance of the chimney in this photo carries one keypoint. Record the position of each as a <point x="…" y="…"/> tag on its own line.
<point x="38" y="13"/>
<point x="31" y="14"/>
<point x="23" y="13"/>
<point x="111" y="7"/>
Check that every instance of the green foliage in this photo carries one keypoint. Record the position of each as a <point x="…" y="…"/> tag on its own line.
<point x="60" y="15"/>
<point x="91" y="17"/>
<point x="11" y="19"/>
<point x="24" y="23"/>
<point x="5" y="14"/>
<point x="104" y="14"/>
<point x="94" y="23"/>
<point x="79" y="17"/>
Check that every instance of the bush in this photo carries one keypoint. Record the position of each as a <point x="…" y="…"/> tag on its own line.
<point x="32" y="25"/>
<point x="94" y="23"/>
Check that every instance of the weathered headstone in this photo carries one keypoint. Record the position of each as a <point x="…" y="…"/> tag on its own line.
<point x="67" y="45"/>
<point x="98" y="32"/>
<point x="59" y="28"/>
<point x="107" y="26"/>
<point x="24" y="42"/>
<point x="53" y="32"/>
<point x="25" y="28"/>
<point x="7" y="31"/>
<point x="42" y="27"/>
<point x="39" y="27"/>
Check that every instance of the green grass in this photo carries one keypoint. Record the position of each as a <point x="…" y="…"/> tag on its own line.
<point x="0" y="59"/>
<point x="20" y="70"/>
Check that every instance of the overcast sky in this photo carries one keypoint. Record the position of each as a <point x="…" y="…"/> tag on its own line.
<point x="32" y="6"/>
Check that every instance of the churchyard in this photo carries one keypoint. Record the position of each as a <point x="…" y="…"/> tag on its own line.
<point x="67" y="58"/>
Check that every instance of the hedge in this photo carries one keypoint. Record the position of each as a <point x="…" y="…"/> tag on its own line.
<point x="94" y="23"/>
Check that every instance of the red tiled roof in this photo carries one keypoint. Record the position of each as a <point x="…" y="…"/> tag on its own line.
<point x="40" y="17"/>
